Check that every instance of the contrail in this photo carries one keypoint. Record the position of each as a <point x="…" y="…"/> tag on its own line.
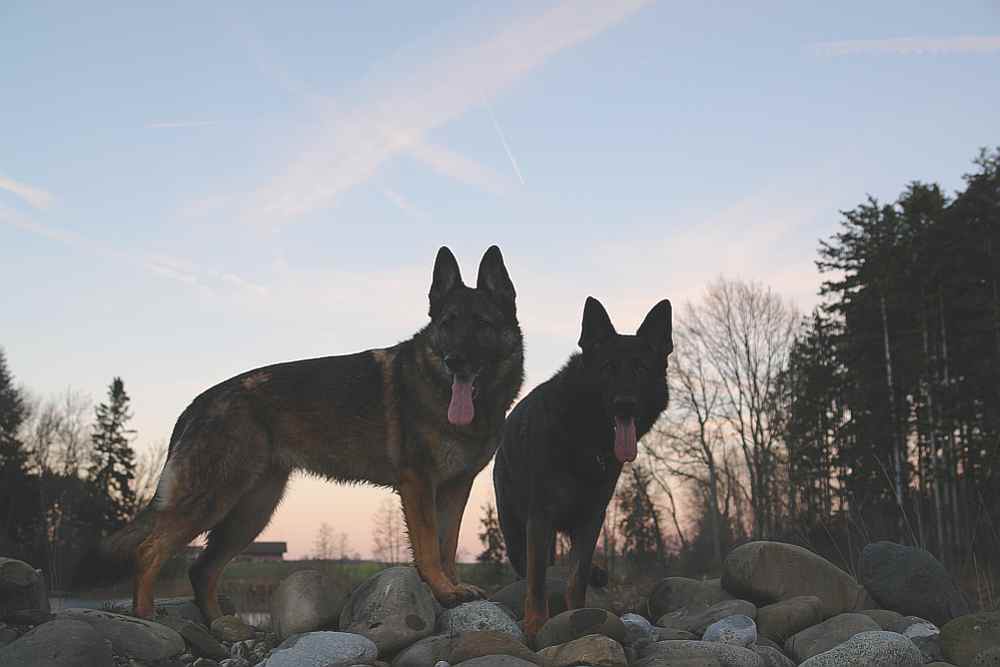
<point x="503" y="140"/>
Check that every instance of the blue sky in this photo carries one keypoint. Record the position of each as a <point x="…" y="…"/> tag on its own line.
<point x="192" y="191"/>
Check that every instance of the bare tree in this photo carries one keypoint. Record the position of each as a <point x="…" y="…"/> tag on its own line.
<point x="147" y="471"/>
<point x="323" y="548"/>
<point x="343" y="547"/>
<point x="745" y="332"/>
<point x="389" y="533"/>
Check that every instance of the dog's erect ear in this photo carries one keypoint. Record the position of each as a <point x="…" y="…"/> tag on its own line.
<point x="597" y="327"/>
<point x="657" y="328"/>
<point x="494" y="279"/>
<point x="446" y="278"/>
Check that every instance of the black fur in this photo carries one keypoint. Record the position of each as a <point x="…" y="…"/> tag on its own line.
<point x="555" y="469"/>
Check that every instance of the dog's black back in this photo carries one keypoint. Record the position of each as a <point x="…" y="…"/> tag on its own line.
<point x="560" y="452"/>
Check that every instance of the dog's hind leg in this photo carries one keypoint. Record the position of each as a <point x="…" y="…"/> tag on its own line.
<point x="514" y="536"/>
<point x="541" y="534"/>
<point x="171" y="531"/>
<point x="244" y="522"/>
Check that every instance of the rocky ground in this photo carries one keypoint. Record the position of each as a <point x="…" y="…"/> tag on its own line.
<point x="775" y="605"/>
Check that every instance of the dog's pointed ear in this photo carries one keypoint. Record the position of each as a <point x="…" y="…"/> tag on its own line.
<point x="446" y="278"/>
<point x="657" y="328"/>
<point x="597" y="327"/>
<point x="494" y="279"/>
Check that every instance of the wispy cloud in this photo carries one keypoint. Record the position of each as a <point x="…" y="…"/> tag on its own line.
<point x="169" y="125"/>
<point x="180" y="270"/>
<point x="910" y="46"/>
<point x="35" y="197"/>
<point x="506" y="146"/>
<point x="457" y="166"/>
<point x="403" y="203"/>
<point x="397" y="115"/>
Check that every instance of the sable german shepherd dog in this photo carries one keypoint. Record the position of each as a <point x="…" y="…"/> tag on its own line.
<point x="564" y="445"/>
<point x="423" y="417"/>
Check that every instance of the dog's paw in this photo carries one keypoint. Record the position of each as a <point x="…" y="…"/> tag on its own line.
<point x="460" y="593"/>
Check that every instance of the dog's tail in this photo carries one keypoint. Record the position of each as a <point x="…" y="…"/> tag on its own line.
<point x="114" y="557"/>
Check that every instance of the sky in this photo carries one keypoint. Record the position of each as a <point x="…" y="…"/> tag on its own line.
<point x="191" y="191"/>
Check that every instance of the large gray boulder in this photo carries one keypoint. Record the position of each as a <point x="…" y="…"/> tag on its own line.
<point x="767" y="572"/>
<point x="394" y="609"/>
<point x="963" y="638"/>
<point x="924" y="634"/>
<point x="594" y="650"/>
<point x="130" y="636"/>
<point x="323" y="649"/>
<point x="197" y="636"/>
<point x="576" y="623"/>
<point x="824" y="636"/>
<point x="687" y="652"/>
<point x="59" y="643"/>
<point x="305" y="601"/>
<point x="877" y="648"/>
<point x="738" y="630"/>
<point x="911" y="581"/>
<point x="427" y="651"/>
<point x="781" y="620"/>
<point x="674" y="593"/>
<point x="697" y="620"/>
<point x="477" y="616"/>
<point x="22" y="589"/>
<point x="512" y="595"/>
<point x="487" y="642"/>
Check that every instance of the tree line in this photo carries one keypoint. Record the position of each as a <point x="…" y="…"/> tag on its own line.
<point x="67" y="478"/>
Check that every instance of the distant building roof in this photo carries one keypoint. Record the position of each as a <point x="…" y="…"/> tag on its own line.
<point x="266" y="549"/>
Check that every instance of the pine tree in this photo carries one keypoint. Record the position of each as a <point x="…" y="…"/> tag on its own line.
<point x="491" y="536"/>
<point x="640" y="522"/>
<point x="112" y="469"/>
<point x="16" y="512"/>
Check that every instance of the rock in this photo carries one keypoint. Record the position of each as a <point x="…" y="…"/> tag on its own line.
<point x="179" y="607"/>
<point x="938" y="663"/>
<point x="489" y="642"/>
<point x="698" y="620"/>
<point x="668" y="634"/>
<point x="306" y="600"/>
<point x="577" y="623"/>
<point x="200" y="640"/>
<point x="886" y="618"/>
<point x="234" y="662"/>
<point x="231" y="629"/>
<point x="826" y="635"/>
<point x="767" y="572"/>
<point x="59" y="643"/>
<point x="205" y="662"/>
<point x="130" y="636"/>
<point x="512" y="596"/>
<point x="965" y="637"/>
<point x="496" y="661"/>
<point x="988" y="658"/>
<point x="781" y="620"/>
<point x="911" y="581"/>
<point x="670" y="653"/>
<point x="878" y="647"/>
<point x="738" y="630"/>
<point x="323" y="649"/>
<point x="772" y="656"/>
<point x="22" y="588"/>
<point x="924" y="634"/>
<point x="394" y="609"/>
<point x="427" y="651"/>
<point x="637" y="629"/>
<point x="675" y="593"/>
<point x="477" y="615"/>
<point x="596" y="650"/>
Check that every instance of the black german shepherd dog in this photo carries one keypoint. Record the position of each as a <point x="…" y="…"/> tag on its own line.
<point x="564" y="444"/>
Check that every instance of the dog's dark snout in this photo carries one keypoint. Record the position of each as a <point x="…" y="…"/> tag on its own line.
<point x="625" y="405"/>
<point x="456" y="363"/>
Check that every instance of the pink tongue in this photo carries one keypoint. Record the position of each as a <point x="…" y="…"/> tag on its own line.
<point x="461" y="410"/>
<point x="625" y="449"/>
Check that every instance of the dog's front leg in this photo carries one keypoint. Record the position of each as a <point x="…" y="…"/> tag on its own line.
<point x="417" y="493"/>
<point x="452" y="498"/>
<point x="541" y="537"/>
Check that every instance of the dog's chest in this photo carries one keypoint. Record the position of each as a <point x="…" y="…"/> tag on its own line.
<point x="457" y="457"/>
